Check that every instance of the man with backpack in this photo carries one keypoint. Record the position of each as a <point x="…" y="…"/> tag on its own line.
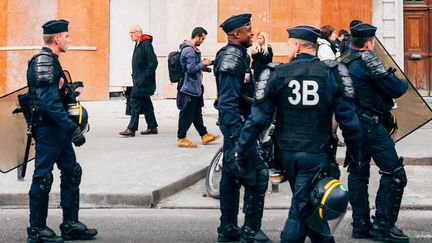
<point x="190" y="95"/>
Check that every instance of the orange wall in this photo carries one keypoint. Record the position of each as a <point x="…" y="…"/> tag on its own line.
<point x="3" y="42"/>
<point x="88" y="26"/>
<point x="20" y="25"/>
<point x="275" y="16"/>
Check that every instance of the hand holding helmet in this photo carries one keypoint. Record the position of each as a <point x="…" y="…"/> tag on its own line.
<point x="77" y="137"/>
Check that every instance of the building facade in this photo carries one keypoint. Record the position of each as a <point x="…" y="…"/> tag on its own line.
<point x="101" y="48"/>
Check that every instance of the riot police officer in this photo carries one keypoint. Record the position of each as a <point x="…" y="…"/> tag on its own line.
<point x="376" y="87"/>
<point x="54" y="134"/>
<point x="304" y="93"/>
<point x="233" y="78"/>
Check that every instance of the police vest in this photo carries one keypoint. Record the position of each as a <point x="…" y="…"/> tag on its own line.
<point x="60" y="81"/>
<point x="366" y="95"/>
<point x="303" y="114"/>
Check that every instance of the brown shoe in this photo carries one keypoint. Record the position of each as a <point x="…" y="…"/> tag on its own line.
<point x="149" y="131"/>
<point x="185" y="143"/>
<point x="207" y="138"/>
<point x="127" y="133"/>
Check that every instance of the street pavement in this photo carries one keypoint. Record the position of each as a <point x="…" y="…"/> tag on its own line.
<point x="138" y="225"/>
<point x="143" y="170"/>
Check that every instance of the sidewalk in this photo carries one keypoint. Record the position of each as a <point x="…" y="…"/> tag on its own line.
<point x="143" y="170"/>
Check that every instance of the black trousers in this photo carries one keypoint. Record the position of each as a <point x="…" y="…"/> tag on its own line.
<point x="145" y="103"/>
<point x="192" y="113"/>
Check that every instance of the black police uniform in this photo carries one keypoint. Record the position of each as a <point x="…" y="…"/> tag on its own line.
<point x="53" y="132"/>
<point x="231" y="68"/>
<point x="375" y="88"/>
<point x="304" y="94"/>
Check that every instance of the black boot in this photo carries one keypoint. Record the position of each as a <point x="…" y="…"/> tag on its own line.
<point x="75" y="230"/>
<point x="382" y="231"/>
<point x="41" y="235"/>
<point x="361" y="229"/>
<point x="250" y="235"/>
<point x="228" y="233"/>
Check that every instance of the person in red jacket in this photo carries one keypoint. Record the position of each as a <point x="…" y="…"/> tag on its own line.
<point x="144" y="64"/>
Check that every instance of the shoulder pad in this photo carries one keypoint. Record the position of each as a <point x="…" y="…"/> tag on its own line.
<point x="330" y="63"/>
<point x="44" y="70"/>
<point x="232" y="61"/>
<point x="349" y="57"/>
<point x="262" y="86"/>
<point x="345" y="81"/>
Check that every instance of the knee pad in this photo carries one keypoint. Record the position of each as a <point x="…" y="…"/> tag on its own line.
<point x="44" y="182"/>
<point x="262" y="181"/>
<point x="399" y="178"/>
<point x="76" y="175"/>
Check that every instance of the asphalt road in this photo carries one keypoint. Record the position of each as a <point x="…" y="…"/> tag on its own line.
<point x="184" y="225"/>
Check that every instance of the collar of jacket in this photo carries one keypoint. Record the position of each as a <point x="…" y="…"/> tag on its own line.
<point x="242" y="48"/>
<point x="189" y="43"/>
<point x="304" y="57"/>
<point x="321" y="41"/>
<point x="144" y="37"/>
<point x="46" y="49"/>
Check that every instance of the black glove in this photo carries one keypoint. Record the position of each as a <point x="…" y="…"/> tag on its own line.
<point x="351" y="162"/>
<point x="76" y="84"/>
<point x="77" y="137"/>
<point x="375" y="66"/>
<point x="73" y="86"/>
<point x="241" y="169"/>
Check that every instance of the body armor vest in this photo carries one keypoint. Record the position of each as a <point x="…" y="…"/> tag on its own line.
<point x="366" y="95"/>
<point x="303" y="112"/>
<point x="32" y="81"/>
<point x="233" y="61"/>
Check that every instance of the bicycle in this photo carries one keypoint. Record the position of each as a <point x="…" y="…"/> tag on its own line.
<point x="266" y="150"/>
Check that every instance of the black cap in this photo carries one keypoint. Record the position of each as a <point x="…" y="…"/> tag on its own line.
<point x="363" y="30"/>
<point x="55" y="26"/>
<point x="235" y="22"/>
<point x="304" y="32"/>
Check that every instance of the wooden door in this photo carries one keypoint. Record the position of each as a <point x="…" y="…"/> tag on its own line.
<point x="417" y="43"/>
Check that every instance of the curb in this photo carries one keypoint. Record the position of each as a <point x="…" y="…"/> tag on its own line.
<point x="171" y="189"/>
<point x="109" y="200"/>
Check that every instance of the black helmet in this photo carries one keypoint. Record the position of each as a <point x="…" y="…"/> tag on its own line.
<point x="79" y="115"/>
<point x="390" y="123"/>
<point x="330" y="200"/>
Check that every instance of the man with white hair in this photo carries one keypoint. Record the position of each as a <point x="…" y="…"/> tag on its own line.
<point x="144" y="64"/>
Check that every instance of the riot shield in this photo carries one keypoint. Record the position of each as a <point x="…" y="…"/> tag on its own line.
<point x="13" y="133"/>
<point x="411" y="110"/>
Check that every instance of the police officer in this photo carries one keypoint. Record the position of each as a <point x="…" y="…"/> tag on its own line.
<point x="54" y="134"/>
<point x="376" y="87"/>
<point x="304" y="93"/>
<point x="233" y="78"/>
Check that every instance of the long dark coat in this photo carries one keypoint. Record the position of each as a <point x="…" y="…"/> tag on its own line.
<point x="144" y="64"/>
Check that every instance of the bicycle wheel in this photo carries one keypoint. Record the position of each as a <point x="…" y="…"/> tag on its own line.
<point x="214" y="174"/>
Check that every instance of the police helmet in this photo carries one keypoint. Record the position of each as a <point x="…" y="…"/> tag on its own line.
<point x="390" y="123"/>
<point x="329" y="198"/>
<point x="79" y="115"/>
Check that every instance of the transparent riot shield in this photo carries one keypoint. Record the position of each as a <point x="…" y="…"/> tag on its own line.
<point x="13" y="133"/>
<point x="411" y="110"/>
